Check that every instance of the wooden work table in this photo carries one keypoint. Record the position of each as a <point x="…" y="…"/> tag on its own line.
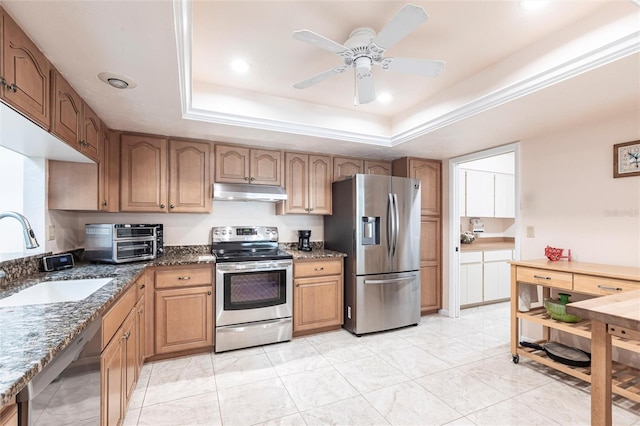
<point x="617" y="315"/>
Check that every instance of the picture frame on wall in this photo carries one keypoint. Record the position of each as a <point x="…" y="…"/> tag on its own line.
<point x="626" y="159"/>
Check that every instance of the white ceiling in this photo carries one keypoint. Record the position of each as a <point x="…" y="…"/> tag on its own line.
<point x="510" y="74"/>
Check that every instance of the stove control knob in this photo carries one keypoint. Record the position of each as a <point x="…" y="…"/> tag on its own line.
<point x="217" y="232"/>
<point x="224" y="232"/>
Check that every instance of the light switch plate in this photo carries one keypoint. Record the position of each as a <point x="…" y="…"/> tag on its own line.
<point x="531" y="231"/>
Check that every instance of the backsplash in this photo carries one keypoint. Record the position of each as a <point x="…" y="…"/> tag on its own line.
<point x="19" y="268"/>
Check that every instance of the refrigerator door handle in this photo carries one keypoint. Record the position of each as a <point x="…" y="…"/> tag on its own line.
<point x="390" y="280"/>
<point x="391" y="225"/>
<point x="397" y="221"/>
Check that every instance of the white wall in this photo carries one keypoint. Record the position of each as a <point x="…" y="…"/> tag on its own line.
<point x="571" y="198"/>
<point x="188" y="229"/>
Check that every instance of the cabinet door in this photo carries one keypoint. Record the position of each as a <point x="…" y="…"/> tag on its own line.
<point x="497" y="279"/>
<point x="430" y="261"/>
<point x="470" y="283"/>
<point x="109" y="172"/>
<point x="143" y="186"/>
<point x="319" y="184"/>
<point x="142" y="336"/>
<point x="505" y="195"/>
<point x="480" y="194"/>
<point x="184" y="319"/>
<point x="67" y="112"/>
<point x="266" y="167"/>
<point x="345" y="167"/>
<point x="377" y="167"/>
<point x="130" y="356"/>
<point x="317" y="302"/>
<point x="189" y="177"/>
<point x="429" y="173"/>
<point x="232" y="164"/>
<point x="90" y="133"/>
<point x="111" y="376"/>
<point x="26" y="72"/>
<point x="296" y="183"/>
<point x="9" y="415"/>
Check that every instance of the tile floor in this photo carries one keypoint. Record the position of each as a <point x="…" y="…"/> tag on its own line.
<point x="444" y="371"/>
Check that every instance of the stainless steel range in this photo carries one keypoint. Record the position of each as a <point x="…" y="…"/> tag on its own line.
<point x="254" y="287"/>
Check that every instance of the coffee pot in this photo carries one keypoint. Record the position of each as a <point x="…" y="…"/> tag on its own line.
<point x="303" y="240"/>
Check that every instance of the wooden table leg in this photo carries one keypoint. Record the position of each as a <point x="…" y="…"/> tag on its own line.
<point x="600" y="374"/>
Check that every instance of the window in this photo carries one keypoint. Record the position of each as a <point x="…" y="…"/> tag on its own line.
<point x="22" y="189"/>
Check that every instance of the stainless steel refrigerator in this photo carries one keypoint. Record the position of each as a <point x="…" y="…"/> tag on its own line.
<point x="376" y="221"/>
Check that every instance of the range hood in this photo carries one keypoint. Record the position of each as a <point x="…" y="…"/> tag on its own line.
<point x="248" y="192"/>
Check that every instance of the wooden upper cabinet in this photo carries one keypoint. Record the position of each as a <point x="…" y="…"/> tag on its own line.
<point x="67" y="112"/>
<point x="265" y="167"/>
<point x="189" y="177"/>
<point x="26" y="74"/>
<point x="90" y="138"/>
<point x="430" y="174"/>
<point x="109" y="171"/>
<point x="143" y="185"/>
<point x="244" y="165"/>
<point x="308" y="184"/>
<point x="74" y="121"/>
<point x="377" y="167"/>
<point x="345" y="167"/>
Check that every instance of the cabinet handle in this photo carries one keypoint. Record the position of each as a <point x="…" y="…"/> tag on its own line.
<point x="142" y="286"/>
<point x="297" y="285"/>
<point x="607" y="287"/>
<point x="3" y="81"/>
<point x="13" y="87"/>
<point x="140" y="311"/>
<point x="319" y="269"/>
<point x="162" y="206"/>
<point x="104" y="203"/>
<point x="311" y="209"/>
<point x="306" y="209"/>
<point x="184" y="278"/>
<point x="246" y="178"/>
<point x="540" y="277"/>
<point x="126" y="335"/>
<point x="252" y="179"/>
<point x="171" y="206"/>
<point x="208" y="293"/>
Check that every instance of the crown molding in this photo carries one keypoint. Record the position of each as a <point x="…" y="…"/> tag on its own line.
<point x="598" y="57"/>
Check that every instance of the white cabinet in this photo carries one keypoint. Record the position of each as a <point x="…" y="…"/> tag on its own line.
<point x="486" y="194"/>
<point x="470" y="277"/>
<point x="485" y="276"/>
<point x="496" y="274"/>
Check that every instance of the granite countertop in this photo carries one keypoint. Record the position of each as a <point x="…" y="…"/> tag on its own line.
<point x="30" y="336"/>
<point x="316" y="253"/>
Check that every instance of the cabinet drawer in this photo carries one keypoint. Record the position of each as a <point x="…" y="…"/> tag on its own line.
<point x="317" y="268"/>
<point x="602" y="286"/>
<point x="116" y="315"/>
<point x="471" y="257"/>
<point x="563" y="280"/>
<point x="183" y="277"/>
<point x="497" y="255"/>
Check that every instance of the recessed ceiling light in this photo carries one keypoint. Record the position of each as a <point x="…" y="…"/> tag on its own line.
<point x="116" y="80"/>
<point x="384" y="97"/>
<point x="533" y="4"/>
<point x="240" y="66"/>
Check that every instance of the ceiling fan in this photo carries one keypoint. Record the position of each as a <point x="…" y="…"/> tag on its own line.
<point x="365" y="48"/>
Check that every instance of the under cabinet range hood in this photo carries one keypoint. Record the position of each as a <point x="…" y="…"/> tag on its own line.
<point x="248" y="192"/>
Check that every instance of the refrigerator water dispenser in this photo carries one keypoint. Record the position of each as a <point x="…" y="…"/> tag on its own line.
<point x="370" y="230"/>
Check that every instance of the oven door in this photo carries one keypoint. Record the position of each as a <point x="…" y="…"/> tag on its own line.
<point x="253" y="291"/>
<point x="134" y="249"/>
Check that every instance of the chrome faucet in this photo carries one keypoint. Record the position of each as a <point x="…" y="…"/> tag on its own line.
<point x="29" y="236"/>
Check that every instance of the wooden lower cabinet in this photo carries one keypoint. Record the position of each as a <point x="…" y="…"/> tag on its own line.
<point x="430" y="264"/>
<point x="9" y="415"/>
<point x="317" y="294"/>
<point x="183" y="308"/>
<point x="120" y="359"/>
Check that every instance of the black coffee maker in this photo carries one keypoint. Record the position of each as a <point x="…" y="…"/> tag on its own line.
<point x="303" y="240"/>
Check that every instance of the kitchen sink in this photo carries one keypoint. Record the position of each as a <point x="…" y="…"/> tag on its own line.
<point x="55" y="292"/>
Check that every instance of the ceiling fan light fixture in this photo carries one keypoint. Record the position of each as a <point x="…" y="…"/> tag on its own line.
<point x="240" y="66"/>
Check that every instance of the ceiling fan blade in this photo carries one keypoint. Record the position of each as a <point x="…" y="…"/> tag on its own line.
<point x="365" y="90"/>
<point x="318" y="78"/>
<point x="319" y="41"/>
<point x="424" y="67"/>
<point x="406" y="20"/>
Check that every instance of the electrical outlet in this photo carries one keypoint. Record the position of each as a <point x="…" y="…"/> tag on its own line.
<point x="531" y="231"/>
<point x="52" y="232"/>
